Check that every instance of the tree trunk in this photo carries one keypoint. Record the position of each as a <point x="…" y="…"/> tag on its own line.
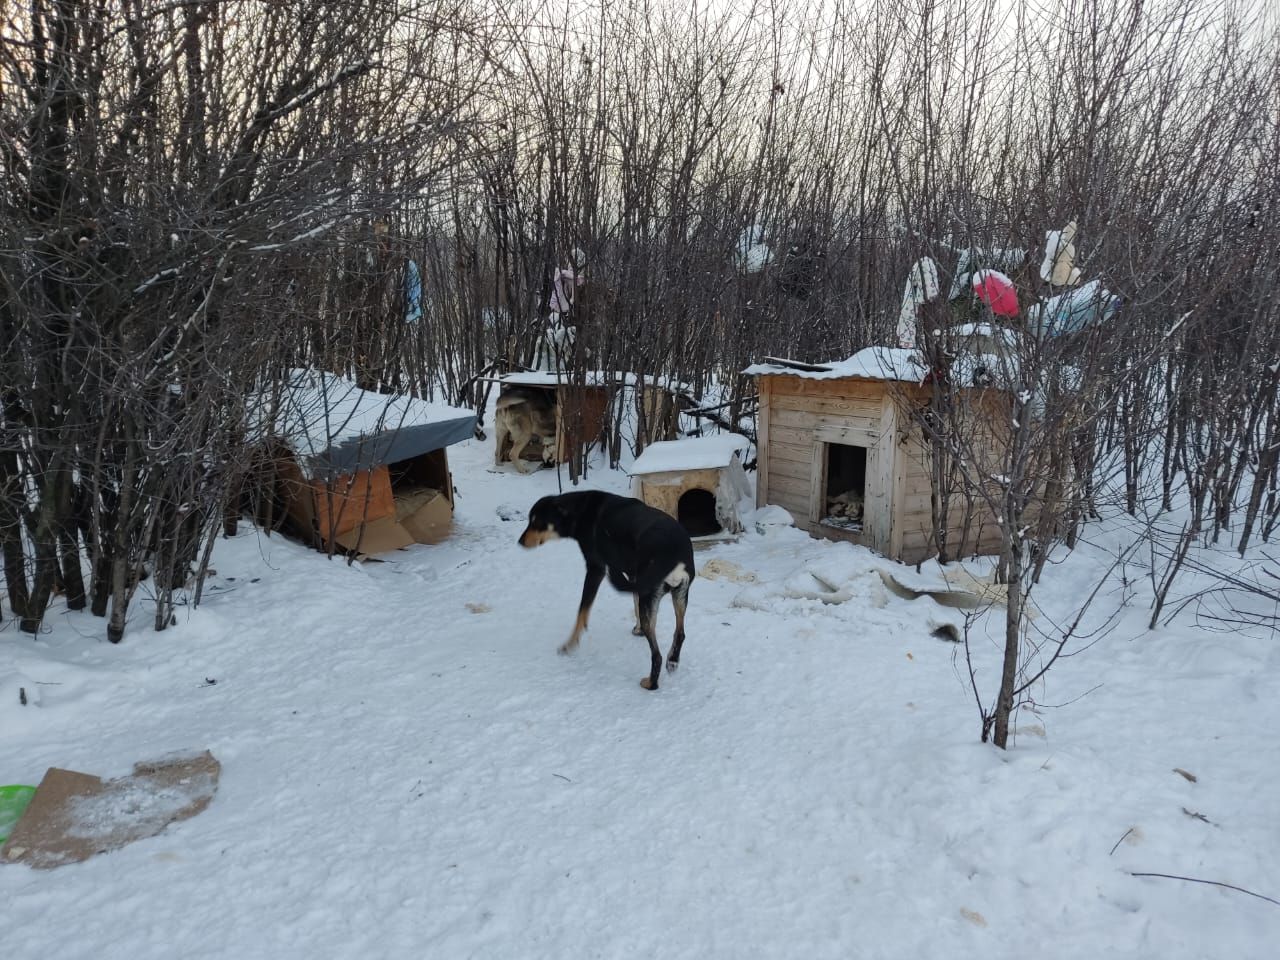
<point x="15" y="569"/>
<point x="1012" y="639"/>
<point x="121" y="555"/>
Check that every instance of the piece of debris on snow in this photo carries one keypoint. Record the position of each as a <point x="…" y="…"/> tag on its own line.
<point x="966" y="597"/>
<point x="21" y="689"/>
<point x="830" y="582"/>
<point x="1185" y="775"/>
<point x="945" y="630"/>
<point x="74" y="816"/>
<point x="954" y="587"/>
<point x="720" y="569"/>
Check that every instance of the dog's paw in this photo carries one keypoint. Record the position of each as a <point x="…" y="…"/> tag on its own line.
<point x="648" y="684"/>
<point x="567" y="648"/>
<point x="672" y="666"/>
<point x="636" y="631"/>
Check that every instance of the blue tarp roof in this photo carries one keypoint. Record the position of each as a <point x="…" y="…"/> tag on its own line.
<point x="334" y="427"/>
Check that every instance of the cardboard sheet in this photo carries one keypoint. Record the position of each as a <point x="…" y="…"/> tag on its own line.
<point x="378" y="536"/>
<point x="426" y="514"/>
<point x="76" y="815"/>
<point x="422" y="515"/>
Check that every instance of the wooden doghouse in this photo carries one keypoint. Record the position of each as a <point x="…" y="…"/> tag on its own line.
<point x="830" y="435"/>
<point x="364" y="471"/>
<point x="660" y="404"/>
<point x="577" y="410"/>
<point x="698" y="481"/>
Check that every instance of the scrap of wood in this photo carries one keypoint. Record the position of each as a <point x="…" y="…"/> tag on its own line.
<point x="1183" y="773"/>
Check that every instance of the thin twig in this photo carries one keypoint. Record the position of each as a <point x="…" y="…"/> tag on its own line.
<point x="1120" y="841"/>
<point x="1212" y="883"/>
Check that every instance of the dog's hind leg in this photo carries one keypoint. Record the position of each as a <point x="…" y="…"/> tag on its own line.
<point x="589" y="588"/>
<point x="648" y="623"/>
<point x="637" y="630"/>
<point x="680" y="600"/>
<point x="502" y="435"/>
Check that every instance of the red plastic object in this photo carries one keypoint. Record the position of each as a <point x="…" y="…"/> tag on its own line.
<point x="996" y="291"/>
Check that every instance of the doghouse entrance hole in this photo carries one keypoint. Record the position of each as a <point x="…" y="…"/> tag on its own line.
<point x="430" y="470"/>
<point x="547" y="399"/>
<point x="844" y="497"/>
<point x="696" y="511"/>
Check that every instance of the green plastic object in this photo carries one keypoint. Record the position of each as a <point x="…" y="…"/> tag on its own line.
<point x="13" y="804"/>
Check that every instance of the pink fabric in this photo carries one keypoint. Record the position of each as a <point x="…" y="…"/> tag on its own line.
<point x="996" y="291"/>
<point x="563" y="282"/>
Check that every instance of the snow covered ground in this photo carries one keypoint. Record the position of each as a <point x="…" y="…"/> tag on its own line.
<point x="409" y="769"/>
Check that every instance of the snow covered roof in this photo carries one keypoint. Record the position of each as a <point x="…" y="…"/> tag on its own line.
<point x="549" y="378"/>
<point x="332" y="425"/>
<point x="593" y="378"/>
<point x="692" y="453"/>
<point x="898" y="364"/>
<point x="872" y="363"/>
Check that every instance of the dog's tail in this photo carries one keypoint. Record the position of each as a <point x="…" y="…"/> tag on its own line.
<point x="679" y="577"/>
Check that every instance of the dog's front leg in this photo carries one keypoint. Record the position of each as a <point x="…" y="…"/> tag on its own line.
<point x="589" y="588"/>
<point x="517" y="451"/>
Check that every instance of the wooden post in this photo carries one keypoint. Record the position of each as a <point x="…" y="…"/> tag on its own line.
<point x="762" y="443"/>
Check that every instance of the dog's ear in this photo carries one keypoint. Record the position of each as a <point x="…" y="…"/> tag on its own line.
<point x="548" y="514"/>
<point x="542" y="513"/>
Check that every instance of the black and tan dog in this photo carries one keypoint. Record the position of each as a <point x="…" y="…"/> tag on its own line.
<point x="641" y="550"/>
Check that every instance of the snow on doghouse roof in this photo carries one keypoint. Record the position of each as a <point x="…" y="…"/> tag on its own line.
<point x="593" y="378"/>
<point x="331" y="424"/>
<point x="693" y="453"/>
<point x="549" y="378"/>
<point x="872" y="363"/>
<point x="890" y="363"/>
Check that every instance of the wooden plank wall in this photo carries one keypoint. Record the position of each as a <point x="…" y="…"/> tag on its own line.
<point x="916" y="513"/>
<point x="590" y="404"/>
<point x="794" y="409"/>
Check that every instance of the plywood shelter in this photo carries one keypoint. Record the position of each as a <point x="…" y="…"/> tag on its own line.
<point x="361" y="470"/>
<point x="844" y="430"/>
<point x="699" y="481"/>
